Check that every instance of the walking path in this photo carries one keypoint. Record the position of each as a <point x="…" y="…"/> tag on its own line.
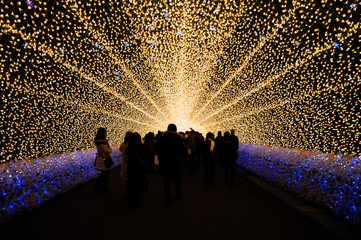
<point x="252" y="209"/>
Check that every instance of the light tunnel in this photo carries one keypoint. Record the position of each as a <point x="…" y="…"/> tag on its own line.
<point x="281" y="73"/>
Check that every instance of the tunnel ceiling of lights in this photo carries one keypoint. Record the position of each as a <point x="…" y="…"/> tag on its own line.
<point x="282" y="73"/>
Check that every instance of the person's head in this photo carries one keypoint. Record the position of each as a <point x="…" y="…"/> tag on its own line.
<point x="227" y="134"/>
<point x="149" y="136"/>
<point x="232" y="132"/>
<point x="135" y="139"/>
<point x="210" y="135"/>
<point x="127" y="136"/>
<point x="101" y="134"/>
<point x="172" y="127"/>
<point x="220" y="133"/>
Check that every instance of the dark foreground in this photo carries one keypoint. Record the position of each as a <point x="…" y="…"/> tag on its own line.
<point x="244" y="211"/>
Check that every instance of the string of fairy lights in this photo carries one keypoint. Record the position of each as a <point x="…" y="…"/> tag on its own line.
<point x="282" y="73"/>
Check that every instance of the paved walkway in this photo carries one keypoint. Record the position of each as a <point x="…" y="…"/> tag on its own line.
<point x="248" y="210"/>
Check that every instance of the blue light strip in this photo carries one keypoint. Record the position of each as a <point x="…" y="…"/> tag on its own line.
<point x="24" y="185"/>
<point x="330" y="181"/>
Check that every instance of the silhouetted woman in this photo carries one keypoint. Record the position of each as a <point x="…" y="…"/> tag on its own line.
<point x="149" y="143"/>
<point x="103" y="150"/>
<point x="229" y="162"/>
<point x="137" y="181"/>
<point x="122" y="148"/>
<point x="209" y="158"/>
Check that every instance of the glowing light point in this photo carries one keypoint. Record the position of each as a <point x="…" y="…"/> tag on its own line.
<point x="126" y="44"/>
<point x="117" y="73"/>
<point x="29" y="3"/>
<point x="133" y="64"/>
<point x="354" y="6"/>
<point x="151" y="57"/>
<point x="96" y="45"/>
<point x="153" y="43"/>
<point x="202" y="39"/>
<point x="263" y="38"/>
<point x="166" y="15"/>
<point x="213" y="29"/>
<point x="180" y="33"/>
<point x="229" y="35"/>
<point x="25" y="45"/>
<point x="61" y="51"/>
<point x="336" y="45"/>
<point x="152" y="27"/>
<point x="297" y="43"/>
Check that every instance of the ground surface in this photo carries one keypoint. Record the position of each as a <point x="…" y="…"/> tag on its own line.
<point x="244" y="211"/>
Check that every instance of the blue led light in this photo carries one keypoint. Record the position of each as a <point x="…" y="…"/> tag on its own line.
<point x="43" y="179"/>
<point x="316" y="177"/>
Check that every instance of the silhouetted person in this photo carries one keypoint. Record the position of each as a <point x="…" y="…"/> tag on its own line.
<point x="235" y="144"/>
<point x="137" y="181"/>
<point x="209" y="158"/>
<point x="171" y="150"/>
<point x="191" y="151"/>
<point x="149" y="143"/>
<point x="158" y="136"/>
<point x="198" y="153"/>
<point x="122" y="148"/>
<point x="229" y="160"/>
<point x="103" y="150"/>
<point x="218" y="148"/>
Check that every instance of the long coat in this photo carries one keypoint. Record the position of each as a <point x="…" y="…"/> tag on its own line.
<point x="103" y="150"/>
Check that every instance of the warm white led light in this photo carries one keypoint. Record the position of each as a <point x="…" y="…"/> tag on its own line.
<point x="281" y="73"/>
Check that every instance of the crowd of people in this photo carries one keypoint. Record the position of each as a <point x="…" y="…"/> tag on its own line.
<point x="168" y="153"/>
